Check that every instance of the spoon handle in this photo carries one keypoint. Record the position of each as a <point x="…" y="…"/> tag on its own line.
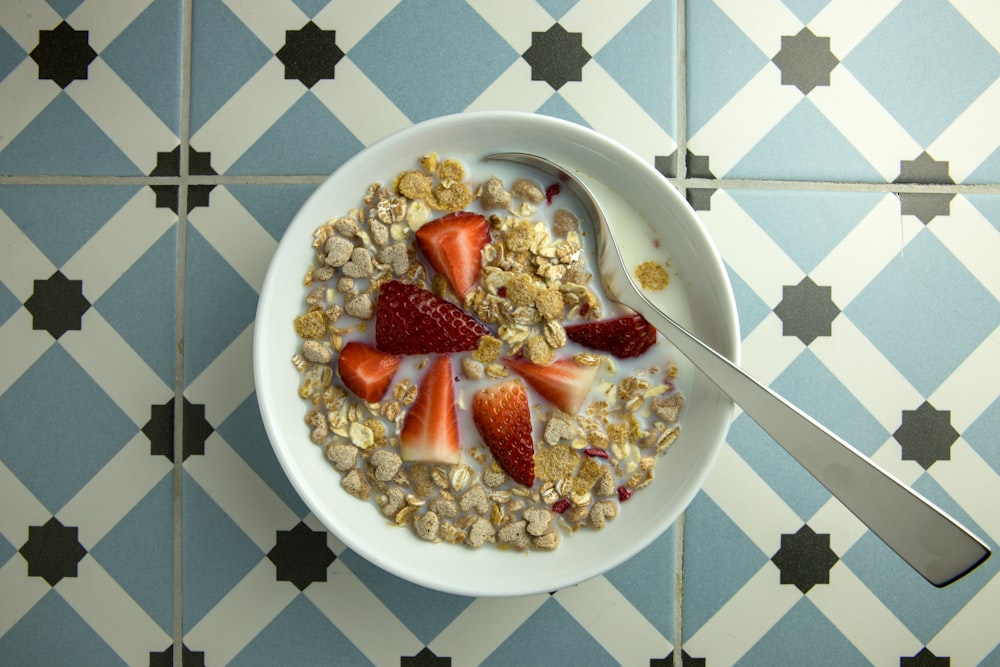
<point x="932" y="542"/>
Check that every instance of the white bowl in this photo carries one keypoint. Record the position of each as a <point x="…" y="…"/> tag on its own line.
<point x="700" y="280"/>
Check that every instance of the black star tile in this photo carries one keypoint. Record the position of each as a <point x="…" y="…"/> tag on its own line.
<point x="805" y="60"/>
<point x="926" y="435"/>
<point x="686" y="661"/>
<point x="425" y="658"/>
<point x="310" y="54"/>
<point x="666" y="164"/>
<point x="52" y="551"/>
<point x="700" y="198"/>
<point x="806" y="310"/>
<point x="924" y="659"/>
<point x="805" y="559"/>
<point x="301" y="556"/>
<point x="165" y="658"/>
<point x="63" y="54"/>
<point x="57" y="305"/>
<point x="168" y="164"/>
<point x="924" y="169"/>
<point x="160" y="430"/>
<point x="697" y="166"/>
<point x="925" y="205"/>
<point x="556" y="56"/>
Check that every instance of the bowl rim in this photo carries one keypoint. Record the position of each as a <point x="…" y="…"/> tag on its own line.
<point x="582" y="138"/>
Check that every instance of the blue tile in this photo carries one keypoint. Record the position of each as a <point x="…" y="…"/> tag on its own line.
<point x="806" y="10"/>
<point x="310" y="7"/>
<point x="8" y="304"/>
<point x="982" y="435"/>
<point x="300" y="635"/>
<point x="804" y="636"/>
<point x="806" y="225"/>
<point x="432" y="76"/>
<point x="244" y="431"/>
<point x="64" y="7"/>
<point x="138" y="553"/>
<point x="925" y="312"/>
<point x="63" y="140"/>
<point x="720" y="61"/>
<point x="224" y="56"/>
<point x="147" y="56"/>
<point x="272" y="206"/>
<point x="218" y="305"/>
<point x="750" y="309"/>
<point x="60" y="219"/>
<point x="557" y="8"/>
<point x="557" y="107"/>
<point x="217" y="553"/>
<point x="11" y="54"/>
<point x="718" y="560"/>
<point x="647" y="582"/>
<point x="425" y="612"/>
<point x="642" y="59"/>
<point x="89" y="431"/>
<point x="988" y="171"/>
<point x="988" y="205"/>
<point x="804" y="145"/>
<point x="285" y="149"/>
<point x="51" y="633"/>
<point x="921" y="607"/>
<point x="141" y="305"/>
<point x="7" y="551"/>
<point x="550" y="636"/>
<point x="918" y="65"/>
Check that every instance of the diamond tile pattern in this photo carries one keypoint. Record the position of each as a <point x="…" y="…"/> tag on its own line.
<point x="844" y="158"/>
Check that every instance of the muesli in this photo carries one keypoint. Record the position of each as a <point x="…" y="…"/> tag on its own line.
<point x="461" y="370"/>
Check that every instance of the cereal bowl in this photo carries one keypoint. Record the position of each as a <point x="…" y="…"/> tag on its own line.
<point x="657" y="224"/>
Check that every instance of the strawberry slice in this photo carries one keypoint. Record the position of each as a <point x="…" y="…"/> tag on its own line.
<point x="565" y="382"/>
<point x="503" y="419"/>
<point x="430" y="427"/>
<point x="366" y="371"/>
<point x="411" y="320"/>
<point x="622" y="337"/>
<point x="453" y="246"/>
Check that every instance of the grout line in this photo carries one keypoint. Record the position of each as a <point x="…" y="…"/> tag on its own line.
<point x="182" y="199"/>
<point x="681" y="171"/>
<point x="679" y="181"/>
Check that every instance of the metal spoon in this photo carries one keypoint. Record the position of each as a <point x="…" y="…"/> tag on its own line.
<point x="933" y="543"/>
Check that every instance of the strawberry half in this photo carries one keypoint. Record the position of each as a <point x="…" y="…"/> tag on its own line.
<point x="622" y="337"/>
<point x="565" y="382"/>
<point x="430" y="427"/>
<point x="503" y="419"/>
<point x="366" y="371"/>
<point x="411" y="320"/>
<point x="453" y="245"/>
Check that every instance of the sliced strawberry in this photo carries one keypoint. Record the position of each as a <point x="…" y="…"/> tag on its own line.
<point x="430" y="427"/>
<point x="411" y="320"/>
<point x="453" y="245"/>
<point x="565" y="382"/>
<point x="366" y="371"/>
<point x="623" y="337"/>
<point x="503" y="419"/>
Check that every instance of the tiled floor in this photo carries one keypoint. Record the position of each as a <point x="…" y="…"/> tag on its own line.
<point x="845" y="157"/>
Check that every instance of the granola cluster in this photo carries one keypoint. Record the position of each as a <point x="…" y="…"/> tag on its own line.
<point x="534" y="280"/>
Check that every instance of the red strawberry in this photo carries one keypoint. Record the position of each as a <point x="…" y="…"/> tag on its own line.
<point x="411" y="320"/>
<point x="565" y="382"/>
<point x="453" y="246"/>
<point x="623" y="337"/>
<point x="502" y="417"/>
<point x="366" y="371"/>
<point x="430" y="427"/>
